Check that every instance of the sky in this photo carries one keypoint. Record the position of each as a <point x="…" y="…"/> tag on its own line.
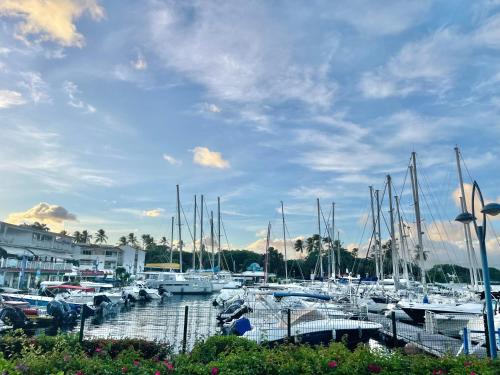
<point x="105" y="106"/>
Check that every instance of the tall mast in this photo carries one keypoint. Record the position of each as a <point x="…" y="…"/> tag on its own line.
<point x="374" y="226"/>
<point x="332" y="241"/>
<point x="394" y="250"/>
<point x="414" y="180"/>
<point x="338" y="251"/>
<point x="194" y="235"/>
<point x="180" y="228"/>
<point x="266" y="258"/>
<point x="218" y="233"/>
<point x="379" y="232"/>
<point x="200" y="255"/>
<point x="284" y="240"/>
<point x="320" y="246"/>
<point x="212" y="237"/>
<point x="468" y="239"/>
<point x="172" y="242"/>
<point x="402" y="243"/>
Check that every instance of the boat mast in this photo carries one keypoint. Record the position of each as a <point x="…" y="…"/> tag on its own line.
<point x="338" y="251"/>
<point x="212" y="237"/>
<point x="266" y="258"/>
<point x="332" y="241"/>
<point x="172" y="242"/>
<point x="284" y="240"/>
<point x="200" y="255"/>
<point x="413" y="172"/>
<point x="402" y="243"/>
<point x="394" y="251"/>
<point x="194" y="235"/>
<point x="320" y="247"/>
<point x="377" y="271"/>
<point x="180" y="228"/>
<point x="379" y="233"/>
<point x="471" y="256"/>
<point x="218" y="233"/>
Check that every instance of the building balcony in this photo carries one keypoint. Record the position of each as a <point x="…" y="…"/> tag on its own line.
<point x="33" y="266"/>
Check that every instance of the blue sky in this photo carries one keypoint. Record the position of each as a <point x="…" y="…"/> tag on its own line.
<point x="106" y="105"/>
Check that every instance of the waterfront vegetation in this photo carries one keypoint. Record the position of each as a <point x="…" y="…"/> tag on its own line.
<point x="64" y="355"/>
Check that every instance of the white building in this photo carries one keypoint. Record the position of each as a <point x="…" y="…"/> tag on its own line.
<point x="104" y="259"/>
<point x="28" y="255"/>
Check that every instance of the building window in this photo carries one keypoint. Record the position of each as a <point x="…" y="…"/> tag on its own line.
<point x="110" y="253"/>
<point x="109" y="265"/>
<point x="86" y="252"/>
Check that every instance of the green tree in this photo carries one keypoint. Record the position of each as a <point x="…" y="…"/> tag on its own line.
<point x="148" y="241"/>
<point x="122" y="275"/>
<point x="163" y="241"/>
<point x="77" y="237"/>
<point x="85" y="237"/>
<point x="122" y="241"/>
<point x="299" y="245"/>
<point x="132" y="240"/>
<point x="40" y="226"/>
<point x="101" y="237"/>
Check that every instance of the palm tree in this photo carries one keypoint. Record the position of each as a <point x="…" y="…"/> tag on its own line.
<point x="122" y="241"/>
<point x="77" y="237"/>
<point x="132" y="240"/>
<point x="147" y="241"/>
<point x="40" y="226"/>
<point x="299" y="245"/>
<point x="101" y="237"/>
<point x="85" y="237"/>
<point x="63" y="233"/>
<point x="312" y="243"/>
<point x="163" y="241"/>
<point x="355" y="252"/>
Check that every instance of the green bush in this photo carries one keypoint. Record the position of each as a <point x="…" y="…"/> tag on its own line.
<point x="220" y="355"/>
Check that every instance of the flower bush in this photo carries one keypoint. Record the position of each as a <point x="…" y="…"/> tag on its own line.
<point x="64" y="355"/>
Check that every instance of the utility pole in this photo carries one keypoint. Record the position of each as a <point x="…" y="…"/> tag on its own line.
<point x="218" y="234"/>
<point x="180" y="228"/>
<point x="414" y="181"/>
<point x="284" y="240"/>
<point x="194" y="235"/>
<point x="374" y="232"/>
<point x="471" y="255"/>
<point x="379" y="232"/>
<point x="394" y="250"/>
<point x="200" y="256"/>
<point x="320" y="246"/>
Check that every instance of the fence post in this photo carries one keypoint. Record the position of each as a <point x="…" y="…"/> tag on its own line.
<point x="184" y="333"/>
<point x="288" y="324"/>
<point x="82" y="324"/>
<point x="466" y="341"/>
<point x="394" y="329"/>
<point x="485" y="320"/>
<point x="498" y="333"/>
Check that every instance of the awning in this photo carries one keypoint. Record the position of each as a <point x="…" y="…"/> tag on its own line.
<point x="50" y="254"/>
<point x="16" y="251"/>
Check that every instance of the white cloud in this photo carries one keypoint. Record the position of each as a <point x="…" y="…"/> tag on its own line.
<point x="310" y="192"/>
<point x="52" y="215"/>
<point x="171" y="160"/>
<point x="153" y="213"/>
<point x="71" y="89"/>
<point x="9" y="98"/>
<point x="259" y="246"/>
<point x="210" y="107"/>
<point x="36" y="86"/>
<point x="204" y="157"/>
<point x="244" y="59"/>
<point x="140" y="62"/>
<point x="51" y="20"/>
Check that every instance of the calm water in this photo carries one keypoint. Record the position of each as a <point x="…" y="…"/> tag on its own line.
<point x="159" y="321"/>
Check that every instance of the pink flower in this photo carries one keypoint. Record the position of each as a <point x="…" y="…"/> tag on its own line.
<point x="438" y="372"/>
<point x="124" y="370"/>
<point x="472" y="373"/>
<point x="170" y="366"/>
<point x="374" y="368"/>
<point x="98" y="350"/>
<point x="332" y="364"/>
<point x="215" y="371"/>
<point x="79" y="373"/>
<point x="136" y="362"/>
<point x="157" y="373"/>
<point x="467" y="363"/>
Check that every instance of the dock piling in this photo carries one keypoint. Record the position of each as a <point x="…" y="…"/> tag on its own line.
<point x="394" y="329"/>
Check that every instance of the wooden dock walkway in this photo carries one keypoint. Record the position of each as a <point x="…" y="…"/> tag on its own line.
<point x="431" y="343"/>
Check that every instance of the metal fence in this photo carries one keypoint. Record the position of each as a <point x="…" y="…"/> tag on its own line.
<point x="183" y="326"/>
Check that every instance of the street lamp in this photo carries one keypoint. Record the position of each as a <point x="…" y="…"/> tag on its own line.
<point x="492" y="209"/>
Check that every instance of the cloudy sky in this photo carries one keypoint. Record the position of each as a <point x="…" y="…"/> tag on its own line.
<point x="106" y="105"/>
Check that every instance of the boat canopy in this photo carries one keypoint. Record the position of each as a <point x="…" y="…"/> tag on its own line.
<point x="303" y="295"/>
<point x="70" y="287"/>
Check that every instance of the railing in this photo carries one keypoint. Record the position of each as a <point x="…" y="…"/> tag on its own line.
<point x="34" y="265"/>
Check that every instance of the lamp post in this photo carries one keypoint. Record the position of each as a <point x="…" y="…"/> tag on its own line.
<point x="492" y="209"/>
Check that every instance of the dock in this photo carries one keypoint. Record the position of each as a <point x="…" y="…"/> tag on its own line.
<point x="431" y="343"/>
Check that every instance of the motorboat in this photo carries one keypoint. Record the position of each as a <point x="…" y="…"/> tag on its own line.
<point x="178" y="283"/>
<point x="140" y="292"/>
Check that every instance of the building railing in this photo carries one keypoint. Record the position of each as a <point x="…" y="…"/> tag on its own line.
<point x="34" y="265"/>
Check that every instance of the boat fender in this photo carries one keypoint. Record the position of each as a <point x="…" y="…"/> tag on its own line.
<point x="241" y="326"/>
<point x="426" y="299"/>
